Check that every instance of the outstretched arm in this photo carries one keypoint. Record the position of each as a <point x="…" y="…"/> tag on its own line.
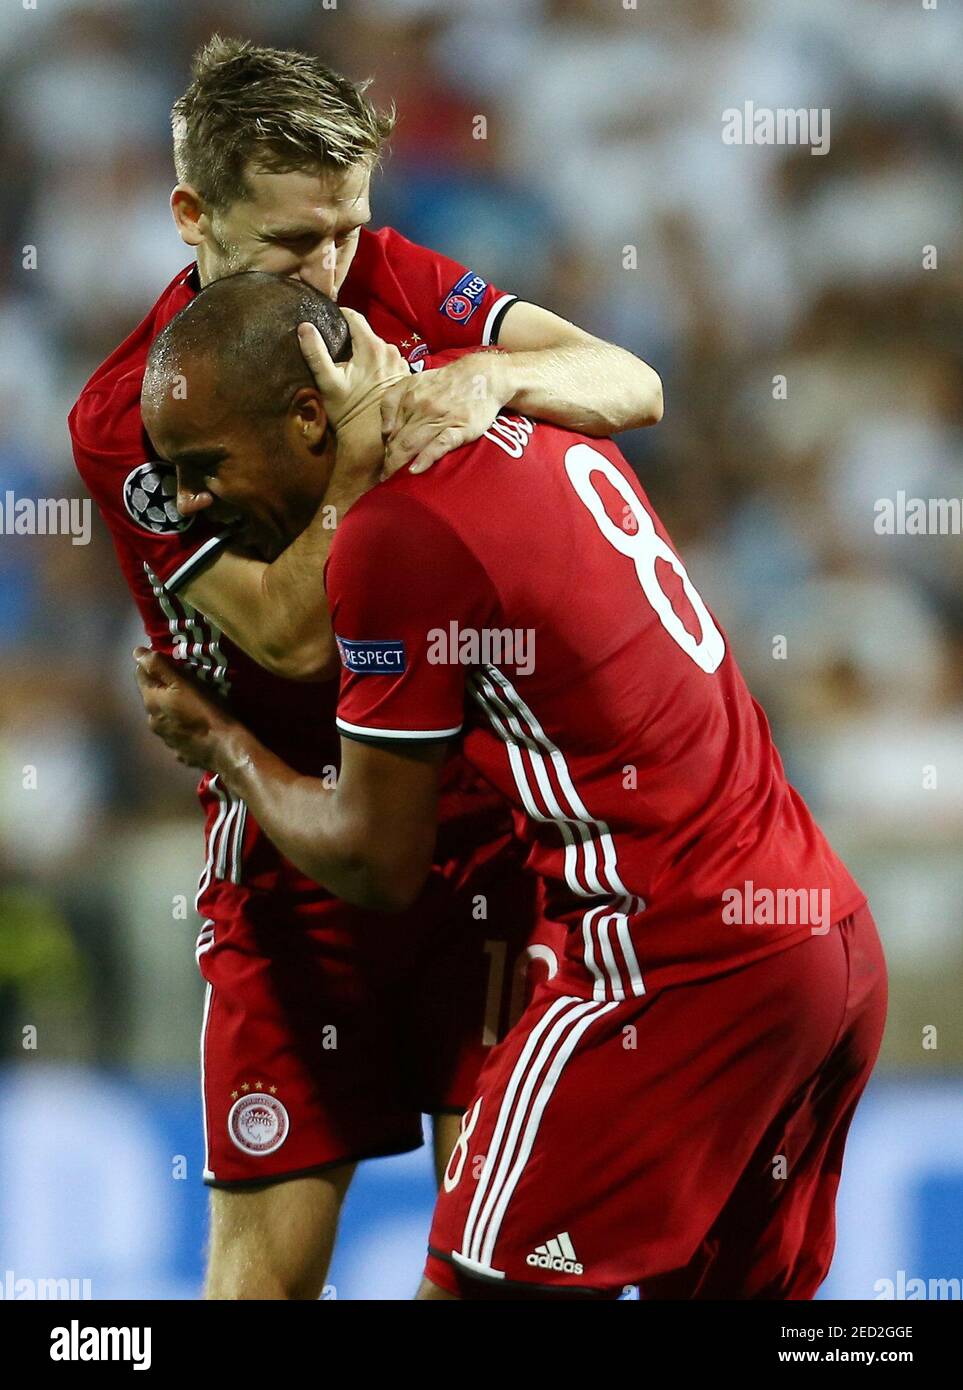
<point x="546" y="367"/>
<point x="562" y="374"/>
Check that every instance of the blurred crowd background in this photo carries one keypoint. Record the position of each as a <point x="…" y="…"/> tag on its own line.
<point x="603" y="190"/>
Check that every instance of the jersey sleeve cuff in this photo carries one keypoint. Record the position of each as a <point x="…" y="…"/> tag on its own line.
<point x="493" y="323"/>
<point x="367" y="734"/>
<point x="195" y="563"/>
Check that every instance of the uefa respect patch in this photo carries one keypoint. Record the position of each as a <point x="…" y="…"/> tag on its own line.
<point x="464" y="298"/>
<point x="372" y="658"/>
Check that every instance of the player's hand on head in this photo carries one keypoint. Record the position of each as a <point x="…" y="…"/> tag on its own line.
<point x="426" y="417"/>
<point x="187" y="719"/>
<point x="350" y="387"/>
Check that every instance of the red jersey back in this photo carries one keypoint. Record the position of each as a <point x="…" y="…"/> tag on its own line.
<point x="412" y="297"/>
<point x="525" y="594"/>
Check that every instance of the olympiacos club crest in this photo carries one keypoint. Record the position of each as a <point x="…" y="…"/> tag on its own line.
<point x="258" y="1123"/>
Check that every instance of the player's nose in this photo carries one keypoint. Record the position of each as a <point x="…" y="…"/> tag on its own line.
<point x="191" y="501"/>
<point x="320" y="272"/>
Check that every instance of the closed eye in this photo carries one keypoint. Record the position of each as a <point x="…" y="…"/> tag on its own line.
<point x="200" y="460"/>
<point x="296" y="243"/>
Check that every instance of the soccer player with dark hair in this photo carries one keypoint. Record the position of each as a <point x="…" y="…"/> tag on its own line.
<point x="671" y="1109"/>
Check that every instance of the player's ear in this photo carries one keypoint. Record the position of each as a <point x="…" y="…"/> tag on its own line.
<point x="309" y="417"/>
<point x="189" y="213"/>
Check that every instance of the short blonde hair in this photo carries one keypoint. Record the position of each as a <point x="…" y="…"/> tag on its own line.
<point x="271" y="109"/>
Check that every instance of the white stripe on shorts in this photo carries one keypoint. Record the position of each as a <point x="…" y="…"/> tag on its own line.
<point x="536" y="1072"/>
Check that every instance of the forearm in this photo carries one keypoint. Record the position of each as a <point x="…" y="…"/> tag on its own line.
<point x="593" y="387"/>
<point x="293" y="584"/>
<point x="303" y="818"/>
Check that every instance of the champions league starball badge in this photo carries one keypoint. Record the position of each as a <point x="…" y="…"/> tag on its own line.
<point x="150" y="496"/>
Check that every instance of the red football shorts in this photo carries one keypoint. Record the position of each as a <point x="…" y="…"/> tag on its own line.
<point x="689" y="1142"/>
<point x="329" y="1030"/>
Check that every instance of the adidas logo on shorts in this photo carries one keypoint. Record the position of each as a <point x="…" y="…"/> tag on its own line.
<point x="558" y="1254"/>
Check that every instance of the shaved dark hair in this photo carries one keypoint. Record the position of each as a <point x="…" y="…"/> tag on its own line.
<point x="245" y="326"/>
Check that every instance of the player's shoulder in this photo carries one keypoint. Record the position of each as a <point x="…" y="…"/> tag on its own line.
<point x="106" y="414"/>
<point x="394" y="508"/>
<point x="387" y="243"/>
<point x="402" y="547"/>
<point x="388" y="251"/>
<point x="396" y="523"/>
<point x="408" y="510"/>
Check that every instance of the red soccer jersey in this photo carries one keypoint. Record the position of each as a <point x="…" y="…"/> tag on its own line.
<point x="412" y="297"/>
<point x="526" y="594"/>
